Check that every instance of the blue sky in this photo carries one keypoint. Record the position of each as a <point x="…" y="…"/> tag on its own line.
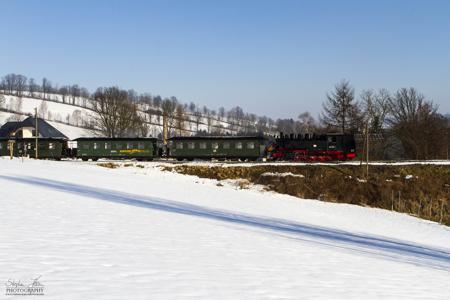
<point x="275" y="58"/>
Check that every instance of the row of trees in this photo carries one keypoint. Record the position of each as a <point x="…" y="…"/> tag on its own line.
<point x="178" y="113"/>
<point x="19" y="85"/>
<point x="405" y="116"/>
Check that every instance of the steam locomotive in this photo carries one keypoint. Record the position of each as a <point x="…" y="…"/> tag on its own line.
<point x="312" y="147"/>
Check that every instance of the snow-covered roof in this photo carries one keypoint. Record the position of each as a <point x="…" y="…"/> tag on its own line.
<point x="45" y="129"/>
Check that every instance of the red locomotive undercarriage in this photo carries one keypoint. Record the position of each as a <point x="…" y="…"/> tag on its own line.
<point x="306" y="155"/>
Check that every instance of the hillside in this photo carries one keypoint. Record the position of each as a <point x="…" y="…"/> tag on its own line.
<point x="85" y="234"/>
<point x="75" y="117"/>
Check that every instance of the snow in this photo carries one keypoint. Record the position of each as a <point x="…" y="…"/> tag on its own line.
<point x="141" y="233"/>
<point x="73" y="132"/>
<point x="283" y="174"/>
<point x="29" y="104"/>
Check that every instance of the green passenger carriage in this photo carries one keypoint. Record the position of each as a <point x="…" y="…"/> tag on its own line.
<point x="217" y="147"/>
<point x="48" y="148"/>
<point x="116" y="148"/>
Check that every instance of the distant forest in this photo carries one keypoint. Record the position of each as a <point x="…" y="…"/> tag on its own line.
<point x="402" y="124"/>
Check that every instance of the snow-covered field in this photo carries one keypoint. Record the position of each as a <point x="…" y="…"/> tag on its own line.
<point x="140" y="233"/>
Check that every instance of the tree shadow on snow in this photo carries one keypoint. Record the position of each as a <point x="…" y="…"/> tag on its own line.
<point x="378" y="246"/>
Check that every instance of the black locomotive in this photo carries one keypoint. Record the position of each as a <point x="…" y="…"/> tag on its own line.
<point x="312" y="147"/>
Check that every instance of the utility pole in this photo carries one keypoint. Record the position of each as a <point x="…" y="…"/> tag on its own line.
<point x="165" y="129"/>
<point x="36" y="134"/>
<point x="367" y="150"/>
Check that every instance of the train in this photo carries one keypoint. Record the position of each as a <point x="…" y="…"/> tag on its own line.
<point x="301" y="147"/>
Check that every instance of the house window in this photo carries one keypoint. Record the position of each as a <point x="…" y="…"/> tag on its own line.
<point x="215" y="145"/>
<point x="191" y="145"/>
<point x="29" y="146"/>
<point x="250" y="145"/>
<point x="141" y="146"/>
<point x="202" y="145"/>
<point x="95" y="146"/>
<point x="107" y="146"/>
<point x="226" y="145"/>
<point x="51" y="146"/>
<point x="238" y="145"/>
<point x="179" y="145"/>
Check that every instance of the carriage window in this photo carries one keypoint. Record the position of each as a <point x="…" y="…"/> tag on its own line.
<point x="95" y="146"/>
<point x="238" y="145"/>
<point x="1" y="146"/>
<point x="107" y="145"/>
<point x="226" y="145"/>
<point x="141" y="146"/>
<point x="118" y="146"/>
<point x="215" y="145"/>
<point x="129" y="145"/>
<point x="191" y="145"/>
<point x="250" y="145"/>
<point x="86" y="146"/>
<point x="202" y="145"/>
<point x="179" y="145"/>
<point x="332" y="139"/>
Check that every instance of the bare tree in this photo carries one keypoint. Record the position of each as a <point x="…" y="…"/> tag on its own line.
<point x="418" y="126"/>
<point x="64" y="92"/>
<point x="168" y="107"/>
<point x="9" y="82"/>
<point x="75" y="91"/>
<point x="32" y="87"/>
<point x="115" y="114"/>
<point x="192" y="107"/>
<point x="180" y="119"/>
<point x="46" y="87"/>
<point x="157" y="101"/>
<point x="375" y="108"/>
<point x="21" y="85"/>
<point x="16" y="106"/>
<point x="2" y="101"/>
<point x="197" y="119"/>
<point x="221" y="113"/>
<point x="76" y="117"/>
<point x="341" y="111"/>
<point x="209" y="120"/>
<point x="43" y="108"/>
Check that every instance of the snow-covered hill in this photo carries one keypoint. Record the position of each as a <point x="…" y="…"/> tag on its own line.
<point x="77" y="113"/>
<point x="141" y="233"/>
